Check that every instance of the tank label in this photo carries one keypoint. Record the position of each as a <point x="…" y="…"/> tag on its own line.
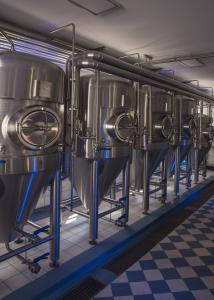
<point x="42" y="89"/>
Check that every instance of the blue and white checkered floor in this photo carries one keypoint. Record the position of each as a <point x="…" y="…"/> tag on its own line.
<point x="180" y="267"/>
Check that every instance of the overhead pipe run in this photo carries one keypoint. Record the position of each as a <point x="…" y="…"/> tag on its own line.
<point x="146" y="75"/>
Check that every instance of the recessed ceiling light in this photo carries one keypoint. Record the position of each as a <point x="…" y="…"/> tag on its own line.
<point x="97" y="7"/>
<point x="192" y="63"/>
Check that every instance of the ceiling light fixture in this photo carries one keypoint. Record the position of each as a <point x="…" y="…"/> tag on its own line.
<point x="97" y="7"/>
<point x="191" y="63"/>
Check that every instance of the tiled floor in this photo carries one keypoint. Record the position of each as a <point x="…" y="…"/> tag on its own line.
<point x="180" y="267"/>
<point x="74" y="241"/>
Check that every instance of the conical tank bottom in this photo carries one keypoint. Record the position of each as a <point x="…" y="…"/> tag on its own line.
<point x="108" y="172"/>
<point x="155" y="158"/>
<point x="18" y="197"/>
<point x="202" y="154"/>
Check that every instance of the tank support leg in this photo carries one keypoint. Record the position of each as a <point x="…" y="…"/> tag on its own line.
<point x="113" y="190"/>
<point x="72" y="182"/>
<point x="196" y="171"/>
<point x="55" y="195"/>
<point x="204" y="168"/>
<point x="177" y="172"/>
<point x="146" y="182"/>
<point x="93" y="233"/>
<point x="126" y="180"/>
<point x="164" y="180"/>
<point x="188" y="170"/>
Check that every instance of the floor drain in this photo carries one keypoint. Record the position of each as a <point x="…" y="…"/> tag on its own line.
<point x="84" y="291"/>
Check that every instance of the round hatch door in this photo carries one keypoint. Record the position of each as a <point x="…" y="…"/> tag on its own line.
<point x="39" y="129"/>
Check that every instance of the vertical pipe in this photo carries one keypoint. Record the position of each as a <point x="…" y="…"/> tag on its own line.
<point x="93" y="233"/>
<point x="196" y="165"/>
<point x="164" y="179"/>
<point x="98" y="104"/>
<point x="126" y="180"/>
<point x="55" y="195"/>
<point x="113" y="190"/>
<point x="204" y="169"/>
<point x="177" y="171"/>
<point x="188" y="170"/>
<point x="71" y="180"/>
<point x="146" y="182"/>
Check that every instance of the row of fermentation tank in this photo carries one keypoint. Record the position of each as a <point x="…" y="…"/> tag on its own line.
<point x="90" y="127"/>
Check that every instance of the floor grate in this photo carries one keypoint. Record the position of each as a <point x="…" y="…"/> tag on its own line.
<point x="84" y="291"/>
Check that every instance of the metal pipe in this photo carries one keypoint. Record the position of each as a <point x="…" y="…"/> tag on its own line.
<point x="97" y="112"/>
<point x="34" y="224"/>
<point x="177" y="172"/>
<point x="55" y="195"/>
<point x="4" y="34"/>
<point x="81" y="213"/>
<point x="107" y="212"/>
<point x="146" y="179"/>
<point x="148" y="76"/>
<point x="113" y="190"/>
<point x="164" y="179"/>
<point x="44" y="38"/>
<point x="126" y="181"/>
<point x="25" y="248"/>
<point x="93" y="230"/>
<point x="188" y="170"/>
<point x="196" y="163"/>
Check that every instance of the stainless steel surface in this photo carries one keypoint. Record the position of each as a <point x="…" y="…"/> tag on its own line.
<point x="189" y="130"/>
<point x="31" y="110"/>
<point x="104" y="131"/>
<point x="147" y="76"/>
<point x="156" y="111"/>
<point x="55" y="196"/>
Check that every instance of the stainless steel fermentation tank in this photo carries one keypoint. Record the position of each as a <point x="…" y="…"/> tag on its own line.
<point x="188" y="140"/>
<point x="31" y="107"/>
<point x="155" y="129"/>
<point x="104" y="129"/>
<point x="205" y="137"/>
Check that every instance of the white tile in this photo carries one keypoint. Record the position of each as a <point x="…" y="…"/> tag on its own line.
<point x="4" y="290"/>
<point x="17" y="281"/>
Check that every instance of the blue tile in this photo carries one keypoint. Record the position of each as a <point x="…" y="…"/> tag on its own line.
<point x="158" y="286"/>
<point x="158" y="254"/>
<point x="103" y="298"/>
<point x="206" y="230"/>
<point x="194" y="220"/>
<point x="194" y="244"/>
<point x="167" y="246"/>
<point x="135" y="276"/>
<point x="148" y="265"/>
<point x="179" y="262"/>
<point x="188" y="226"/>
<point x="144" y="297"/>
<point x="184" y="296"/>
<point x="200" y="237"/>
<point x="194" y="283"/>
<point x="182" y="231"/>
<point x="198" y="216"/>
<point x="209" y="224"/>
<point x="211" y="250"/>
<point x="175" y="238"/>
<point x="187" y="253"/>
<point x="203" y="271"/>
<point x="170" y="274"/>
<point x="208" y="260"/>
<point x="121" y="289"/>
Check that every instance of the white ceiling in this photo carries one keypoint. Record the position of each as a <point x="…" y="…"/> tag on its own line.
<point x="161" y="28"/>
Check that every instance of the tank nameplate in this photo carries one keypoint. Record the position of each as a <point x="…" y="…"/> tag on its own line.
<point x="42" y="89"/>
